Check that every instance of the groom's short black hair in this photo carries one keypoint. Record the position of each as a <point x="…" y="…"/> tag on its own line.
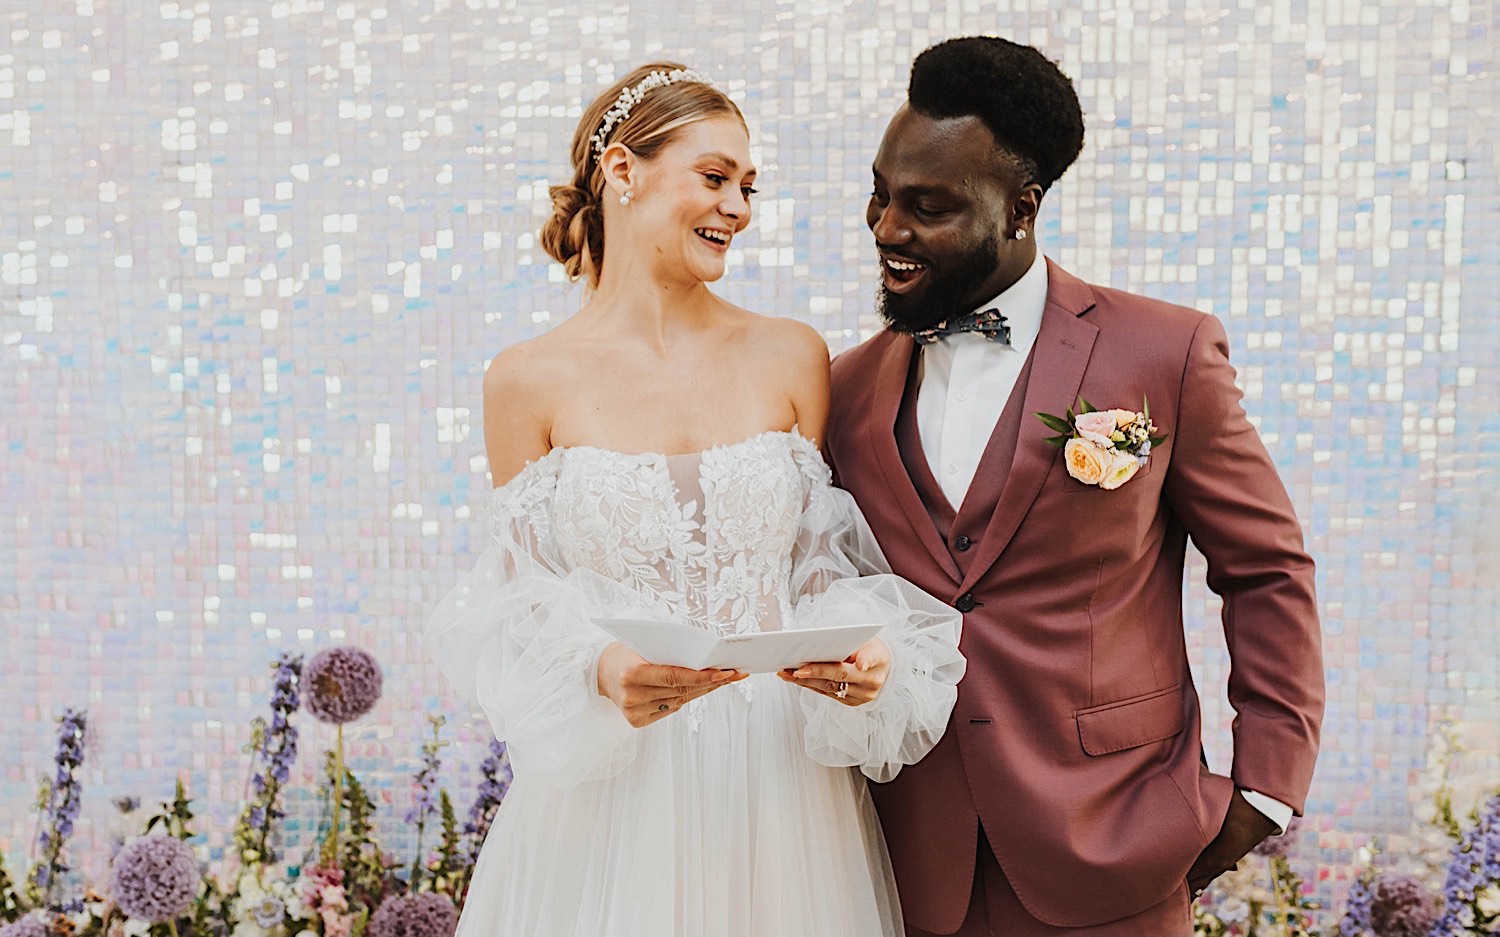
<point x="1024" y="99"/>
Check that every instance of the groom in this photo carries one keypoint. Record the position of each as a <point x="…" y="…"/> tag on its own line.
<point x="1070" y="794"/>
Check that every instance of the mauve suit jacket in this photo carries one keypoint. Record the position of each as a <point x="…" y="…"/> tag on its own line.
<point x="1076" y="737"/>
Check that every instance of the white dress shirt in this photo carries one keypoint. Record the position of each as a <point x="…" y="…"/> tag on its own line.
<point x="963" y="385"/>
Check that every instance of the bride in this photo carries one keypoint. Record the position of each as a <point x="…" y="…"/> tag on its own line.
<point x="655" y="456"/>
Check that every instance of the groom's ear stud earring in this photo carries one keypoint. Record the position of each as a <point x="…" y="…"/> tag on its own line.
<point x="1020" y="234"/>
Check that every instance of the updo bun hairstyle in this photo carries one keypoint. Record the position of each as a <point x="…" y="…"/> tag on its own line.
<point x="574" y="234"/>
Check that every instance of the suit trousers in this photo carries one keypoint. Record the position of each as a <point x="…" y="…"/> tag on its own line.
<point x="995" y="911"/>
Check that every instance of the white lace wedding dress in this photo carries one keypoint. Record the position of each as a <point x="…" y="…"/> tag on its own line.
<point x="742" y="815"/>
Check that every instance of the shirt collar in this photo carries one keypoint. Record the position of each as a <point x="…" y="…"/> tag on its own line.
<point x="1022" y="305"/>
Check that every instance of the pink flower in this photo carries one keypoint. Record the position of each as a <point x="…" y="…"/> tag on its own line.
<point x="1096" y="427"/>
<point x="336" y="924"/>
<point x="332" y="897"/>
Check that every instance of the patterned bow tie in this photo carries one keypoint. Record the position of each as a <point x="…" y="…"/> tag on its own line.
<point x="988" y="322"/>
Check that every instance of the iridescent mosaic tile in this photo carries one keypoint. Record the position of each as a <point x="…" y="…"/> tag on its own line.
<point x="255" y="255"/>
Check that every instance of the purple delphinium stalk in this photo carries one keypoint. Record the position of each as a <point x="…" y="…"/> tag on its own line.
<point x="1356" y="919"/>
<point x="425" y="915"/>
<point x="155" y="878"/>
<point x="341" y="684"/>
<point x="426" y="784"/>
<point x="275" y="754"/>
<point x="494" y="781"/>
<point x="1474" y="865"/>
<point x="64" y="800"/>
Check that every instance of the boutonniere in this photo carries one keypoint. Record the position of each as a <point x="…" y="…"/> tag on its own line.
<point x="1103" y="447"/>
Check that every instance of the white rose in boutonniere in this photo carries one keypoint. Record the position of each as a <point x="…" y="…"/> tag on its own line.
<point x="1122" y="468"/>
<point x="1086" y="461"/>
<point x="1104" y="447"/>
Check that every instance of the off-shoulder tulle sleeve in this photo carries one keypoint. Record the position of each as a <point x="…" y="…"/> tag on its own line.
<point x="840" y="577"/>
<point x="516" y="636"/>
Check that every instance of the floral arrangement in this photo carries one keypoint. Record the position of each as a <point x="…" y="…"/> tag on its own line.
<point x="1103" y="447"/>
<point x="158" y="886"/>
<point x="1265" y="897"/>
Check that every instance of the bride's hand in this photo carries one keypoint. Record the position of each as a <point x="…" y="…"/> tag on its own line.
<point x="854" y="681"/>
<point x="646" y="692"/>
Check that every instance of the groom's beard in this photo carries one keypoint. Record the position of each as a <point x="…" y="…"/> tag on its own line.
<point x="949" y="295"/>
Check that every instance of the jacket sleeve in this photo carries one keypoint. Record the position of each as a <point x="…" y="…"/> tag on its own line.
<point x="1224" y="488"/>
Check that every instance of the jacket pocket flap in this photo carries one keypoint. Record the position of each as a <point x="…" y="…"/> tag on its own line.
<point x="1127" y="723"/>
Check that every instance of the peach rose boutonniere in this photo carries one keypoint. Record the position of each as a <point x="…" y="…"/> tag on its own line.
<point x="1103" y="447"/>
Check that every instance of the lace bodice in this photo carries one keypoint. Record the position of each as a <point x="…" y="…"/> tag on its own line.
<point x="740" y="537"/>
<point x="707" y="537"/>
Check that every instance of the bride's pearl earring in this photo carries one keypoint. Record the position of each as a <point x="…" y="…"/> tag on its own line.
<point x="625" y="197"/>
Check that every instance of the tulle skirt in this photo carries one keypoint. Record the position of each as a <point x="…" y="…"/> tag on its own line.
<point x="721" y="826"/>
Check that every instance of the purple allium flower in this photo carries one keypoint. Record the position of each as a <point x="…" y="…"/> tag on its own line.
<point x="155" y="878"/>
<point x="342" y="684"/>
<point x="1401" y="906"/>
<point x="426" y="915"/>
<point x="32" y="925"/>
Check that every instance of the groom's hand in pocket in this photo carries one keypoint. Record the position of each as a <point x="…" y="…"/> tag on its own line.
<point x="1244" y="828"/>
<point x="645" y="692"/>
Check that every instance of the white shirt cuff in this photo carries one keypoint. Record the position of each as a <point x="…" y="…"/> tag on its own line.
<point x="1280" y="813"/>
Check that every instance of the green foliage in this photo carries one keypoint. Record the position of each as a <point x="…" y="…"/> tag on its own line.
<point x="176" y="815"/>
<point x="11" y="904"/>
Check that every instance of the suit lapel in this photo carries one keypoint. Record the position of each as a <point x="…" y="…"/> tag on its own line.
<point x="1059" y="358"/>
<point x="890" y="384"/>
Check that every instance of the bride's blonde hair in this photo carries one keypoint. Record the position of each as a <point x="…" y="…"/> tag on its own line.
<point x="574" y="234"/>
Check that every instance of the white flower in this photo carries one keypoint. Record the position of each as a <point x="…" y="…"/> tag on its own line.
<point x="1120" y="469"/>
<point x="1233" y="911"/>
<point x="250" y="889"/>
<point x="248" y="928"/>
<point x="135" y="927"/>
<point x="1488" y="899"/>
<point x="1124" y="418"/>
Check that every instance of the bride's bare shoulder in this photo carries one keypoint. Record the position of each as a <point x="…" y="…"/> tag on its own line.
<point x="520" y="387"/>
<point x="794" y="342"/>
<point x="794" y="356"/>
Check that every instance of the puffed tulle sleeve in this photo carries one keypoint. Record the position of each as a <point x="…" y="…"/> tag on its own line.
<point x="516" y="636"/>
<point x="840" y="577"/>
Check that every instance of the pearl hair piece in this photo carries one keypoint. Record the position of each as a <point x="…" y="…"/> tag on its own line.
<point x="630" y="97"/>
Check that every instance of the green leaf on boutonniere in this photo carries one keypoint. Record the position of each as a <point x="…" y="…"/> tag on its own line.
<point x="1146" y="409"/>
<point x="1057" y="423"/>
<point x="1057" y="441"/>
<point x="1157" y="440"/>
<point x="1085" y="407"/>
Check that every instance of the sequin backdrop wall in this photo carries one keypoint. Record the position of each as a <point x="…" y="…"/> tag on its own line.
<point x="254" y="257"/>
